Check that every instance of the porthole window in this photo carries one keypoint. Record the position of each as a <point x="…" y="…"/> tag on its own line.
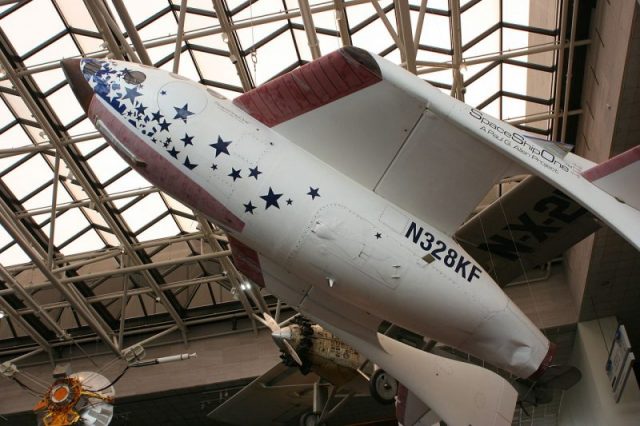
<point x="134" y="77"/>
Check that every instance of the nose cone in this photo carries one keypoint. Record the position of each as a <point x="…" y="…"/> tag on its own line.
<point x="282" y="334"/>
<point x="78" y="83"/>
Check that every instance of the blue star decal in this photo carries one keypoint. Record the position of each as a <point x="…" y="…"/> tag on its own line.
<point x="174" y="153"/>
<point x="378" y="235"/>
<point x="102" y="89"/>
<point x="249" y="208"/>
<point x="214" y="166"/>
<point x="187" y="139"/>
<point x="113" y="96"/>
<point x="289" y="201"/>
<point x="313" y="192"/>
<point x="164" y="125"/>
<point x="271" y="199"/>
<point x="131" y="94"/>
<point x="182" y="113"/>
<point x="141" y="109"/>
<point x="235" y="174"/>
<point x="220" y="146"/>
<point x="254" y="172"/>
<point x="157" y="116"/>
<point x="188" y="164"/>
<point x="163" y="92"/>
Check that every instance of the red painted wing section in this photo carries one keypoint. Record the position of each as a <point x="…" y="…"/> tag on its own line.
<point x="311" y="86"/>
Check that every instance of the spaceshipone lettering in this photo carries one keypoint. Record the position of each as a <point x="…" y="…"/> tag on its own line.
<point x="438" y="250"/>
<point x="518" y="142"/>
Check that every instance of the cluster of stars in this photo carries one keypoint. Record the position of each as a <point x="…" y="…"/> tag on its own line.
<point x="152" y="124"/>
<point x="272" y="199"/>
<point x="124" y="99"/>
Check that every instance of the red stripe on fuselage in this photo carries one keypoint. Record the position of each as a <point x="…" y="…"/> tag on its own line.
<point x="311" y="86"/>
<point x="161" y="171"/>
<point x="246" y="260"/>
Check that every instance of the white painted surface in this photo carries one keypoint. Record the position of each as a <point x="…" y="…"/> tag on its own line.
<point x="623" y="184"/>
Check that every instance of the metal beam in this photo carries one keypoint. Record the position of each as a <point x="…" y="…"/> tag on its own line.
<point x="86" y="258"/>
<point x="150" y="339"/>
<point x="41" y="341"/>
<point x="101" y="9"/>
<point x="17" y="288"/>
<point x="46" y="146"/>
<point x="130" y="292"/>
<point x="132" y="31"/>
<point x="163" y="41"/>
<point x="247" y="23"/>
<point x="387" y="24"/>
<point x="144" y="267"/>
<point x="234" y="46"/>
<point x="12" y="226"/>
<point x="195" y="321"/>
<point x="230" y="269"/>
<point x="180" y="34"/>
<point x="560" y="69"/>
<point x="343" y="24"/>
<point x="438" y="66"/>
<point x="419" y="24"/>
<point x="103" y="29"/>
<point x="539" y="117"/>
<point x="403" y="19"/>
<point x="567" y="85"/>
<point x="54" y="215"/>
<point x="309" y="29"/>
<point x="125" y="270"/>
<point x="457" y="89"/>
<point x="86" y="203"/>
<point x="89" y="189"/>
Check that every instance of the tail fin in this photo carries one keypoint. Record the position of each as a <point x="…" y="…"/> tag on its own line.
<point x="619" y="177"/>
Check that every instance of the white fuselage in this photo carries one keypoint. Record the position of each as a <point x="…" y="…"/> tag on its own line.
<point x="312" y="226"/>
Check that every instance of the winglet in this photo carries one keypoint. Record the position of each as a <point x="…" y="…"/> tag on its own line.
<point x="619" y="177"/>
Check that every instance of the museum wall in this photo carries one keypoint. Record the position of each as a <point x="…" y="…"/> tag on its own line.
<point x="591" y="401"/>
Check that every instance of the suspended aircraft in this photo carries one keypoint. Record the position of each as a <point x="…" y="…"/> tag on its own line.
<point x="319" y="374"/>
<point x="345" y="188"/>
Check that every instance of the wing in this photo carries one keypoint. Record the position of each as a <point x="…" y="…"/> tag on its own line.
<point x="342" y="109"/>
<point x="530" y="225"/>
<point x="451" y="388"/>
<point x="428" y="153"/>
<point x="279" y="396"/>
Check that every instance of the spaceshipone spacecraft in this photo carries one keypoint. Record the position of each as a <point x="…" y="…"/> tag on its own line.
<point x="345" y="187"/>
